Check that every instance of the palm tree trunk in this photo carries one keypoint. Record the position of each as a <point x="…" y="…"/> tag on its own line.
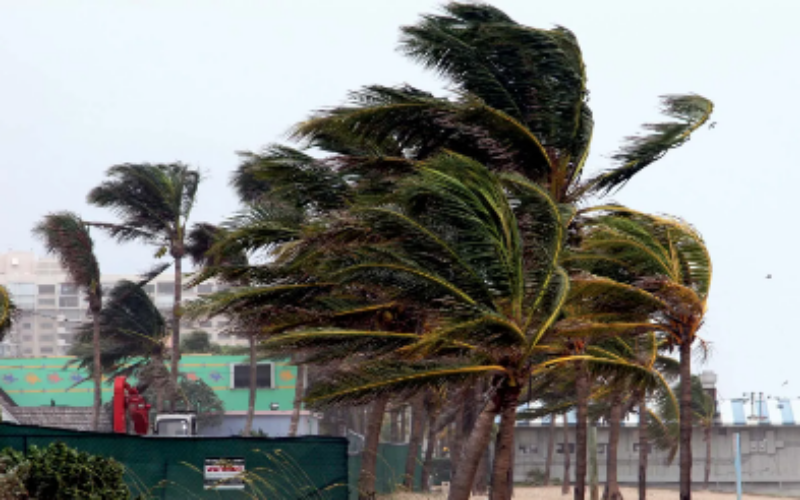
<point x="707" y="432"/>
<point x="251" y="402"/>
<point x="455" y="439"/>
<point x="614" y="421"/>
<point x="431" y="445"/>
<point x="461" y="485"/>
<point x="98" y="372"/>
<point x="417" y="431"/>
<point x="643" y="445"/>
<point x="481" y="485"/>
<point x="582" y="393"/>
<point x="565" y="481"/>
<point x="176" y="328"/>
<point x="551" y="447"/>
<point x="594" y="491"/>
<point x="686" y="419"/>
<point x="299" y="391"/>
<point x="504" y="446"/>
<point x="369" y="459"/>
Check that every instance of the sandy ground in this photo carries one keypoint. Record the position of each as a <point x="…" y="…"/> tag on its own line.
<point x="554" y="493"/>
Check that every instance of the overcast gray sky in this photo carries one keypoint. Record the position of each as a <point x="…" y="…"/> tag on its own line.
<point x="87" y="84"/>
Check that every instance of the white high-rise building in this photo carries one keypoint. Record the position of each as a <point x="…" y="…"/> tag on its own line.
<point x="52" y="307"/>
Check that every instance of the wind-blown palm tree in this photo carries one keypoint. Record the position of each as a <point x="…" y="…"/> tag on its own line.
<point x="133" y="340"/>
<point x="451" y="237"/>
<point x="67" y="236"/>
<point x="520" y="103"/>
<point x="154" y="203"/>
<point x="660" y="264"/>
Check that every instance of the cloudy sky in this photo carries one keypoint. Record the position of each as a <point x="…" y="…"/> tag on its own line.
<point x="87" y="84"/>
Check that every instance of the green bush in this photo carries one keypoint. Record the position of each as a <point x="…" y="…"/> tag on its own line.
<point x="61" y="473"/>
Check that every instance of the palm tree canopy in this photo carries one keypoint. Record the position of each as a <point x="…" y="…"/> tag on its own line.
<point x="450" y="240"/>
<point x="132" y="330"/>
<point x="67" y="236"/>
<point x="153" y="201"/>
<point x="520" y="103"/>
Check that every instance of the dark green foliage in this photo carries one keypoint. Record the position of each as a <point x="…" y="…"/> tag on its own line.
<point x="58" y="472"/>
<point x="67" y="237"/>
<point x="197" y="342"/>
<point x="8" y="312"/>
<point x="195" y="396"/>
<point x="152" y="201"/>
<point x="690" y="111"/>
<point x="132" y="330"/>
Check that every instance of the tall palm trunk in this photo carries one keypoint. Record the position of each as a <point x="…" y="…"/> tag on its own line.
<point x="98" y="372"/>
<point x="414" y="442"/>
<point x="707" y="437"/>
<point x="565" y="481"/>
<point x="594" y="492"/>
<point x="614" y="420"/>
<point x="478" y="440"/>
<point x="503" y="470"/>
<point x="369" y="459"/>
<point x="176" y="324"/>
<point x="551" y="446"/>
<point x="582" y="392"/>
<point x="455" y="440"/>
<point x="686" y="419"/>
<point x="481" y="485"/>
<point x="251" y="402"/>
<point x="643" y="446"/>
<point x="299" y="391"/>
<point x="431" y="445"/>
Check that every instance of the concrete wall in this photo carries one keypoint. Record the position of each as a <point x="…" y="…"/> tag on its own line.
<point x="770" y="455"/>
<point x="272" y="425"/>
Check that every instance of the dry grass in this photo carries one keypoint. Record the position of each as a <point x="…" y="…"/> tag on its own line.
<point x="554" y="493"/>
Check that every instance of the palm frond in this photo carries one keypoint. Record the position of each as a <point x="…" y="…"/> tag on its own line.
<point x="690" y="112"/>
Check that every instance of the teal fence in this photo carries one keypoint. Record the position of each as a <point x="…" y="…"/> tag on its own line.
<point x="312" y="467"/>
<point x="389" y="472"/>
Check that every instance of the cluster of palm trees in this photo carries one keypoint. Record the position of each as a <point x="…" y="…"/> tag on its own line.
<point x="443" y="252"/>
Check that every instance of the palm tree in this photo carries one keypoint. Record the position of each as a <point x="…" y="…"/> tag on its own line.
<point x="133" y="341"/>
<point x="154" y="203"/>
<point x="657" y="264"/>
<point x="455" y="241"/>
<point x="520" y="103"/>
<point x="67" y="236"/>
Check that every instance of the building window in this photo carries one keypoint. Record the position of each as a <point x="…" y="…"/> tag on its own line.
<point x="68" y="289"/>
<point x="240" y="376"/>
<point x="26" y="326"/>
<point x="648" y="446"/>
<point x="150" y="289"/>
<point x="68" y="302"/>
<point x="205" y="288"/>
<point x="528" y="449"/>
<point x="27" y="338"/>
<point x="560" y="448"/>
<point x="602" y="448"/>
<point x="27" y="350"/>
<point x="46" y="302"/>
<point x="47" y="289"/>
<point x="46" y="338"/>
<point x="46" y="350"/>
<point x="165" y="288"/>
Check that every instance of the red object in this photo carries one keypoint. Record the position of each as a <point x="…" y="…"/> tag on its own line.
<point x="129" y="403"/>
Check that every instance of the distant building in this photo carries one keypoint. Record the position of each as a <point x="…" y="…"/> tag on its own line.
<point x="41" y="391"/>
<point x="769" y="429"/>
<point x="52" y="306"/>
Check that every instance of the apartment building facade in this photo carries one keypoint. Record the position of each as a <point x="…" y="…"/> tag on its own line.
<point x="51" y="308"/>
